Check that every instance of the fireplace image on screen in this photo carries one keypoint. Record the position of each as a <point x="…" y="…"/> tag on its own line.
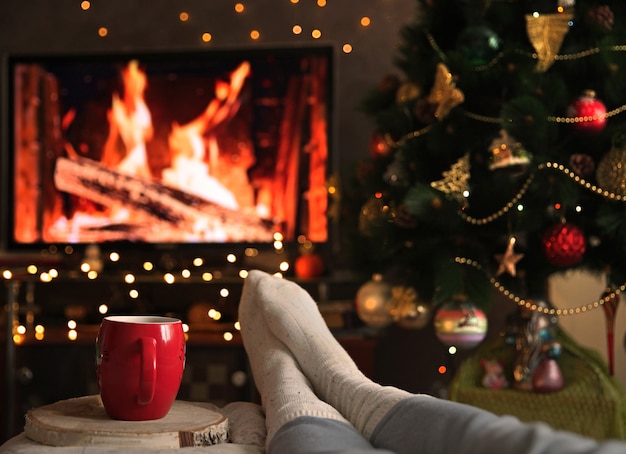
<point x="217" y="147"/>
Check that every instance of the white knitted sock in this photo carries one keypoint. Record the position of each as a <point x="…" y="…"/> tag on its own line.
<point x="294" y="318"/>
<point x="285" y="392"/>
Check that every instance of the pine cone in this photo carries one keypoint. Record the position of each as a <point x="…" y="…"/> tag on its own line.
<point x="601" y="17"/>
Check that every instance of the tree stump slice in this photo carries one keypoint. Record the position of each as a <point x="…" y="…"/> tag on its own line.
<point x="83" y="421"/>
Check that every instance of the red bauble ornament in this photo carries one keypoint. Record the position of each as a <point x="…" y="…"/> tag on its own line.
<point x="590" y="110"/>
<point x="564" y="244"/>
<point x="309" y="266"/>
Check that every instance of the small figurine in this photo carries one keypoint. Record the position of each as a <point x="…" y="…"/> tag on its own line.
<point x="536" y="350"/>
<point x="494" y="374"/>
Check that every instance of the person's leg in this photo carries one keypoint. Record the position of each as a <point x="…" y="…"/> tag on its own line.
<point x="296" y="419"/>
<point x="427" y="424"/>
<point x="390" y="418"/>
<point x="294" y="318"/>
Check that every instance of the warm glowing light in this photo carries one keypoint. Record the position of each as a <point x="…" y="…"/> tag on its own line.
<point x="92" y="274"/>
<point x="21" y="329"/>
<point x="243" y="274"/>
<point x="39" y="336"/>
<point x="321" y="3"/>
<point x="31" y="269"/>
<point x="183" y="16"/>
<point x="54" y="273"/>
<point x="103" y="309"/>
<point x="237" y="325"/>
<point x="557" y="206"/>
<point x="72" y="335"/>
<point x="452" y="350"/>
<point x="39" y="329"/>
<point x="442" y="369"/>
<point x="239" y="7"/>
<point x="85" y="267"/>
<point x="296" y="29"/>
<point x="102" y="32"/>
<point x="18" y="339"/>
<point x="278" y="236"/>
<point x="559" y="9"/>
<point x="198" y="261"/>
<point x="231" y="258"/>
<point x="45" y="277"/>
<point x="206" y="37"/>
<point x="228" y="336"/>
<point x="129" y="278"/>
<point x="316" y="34"/>
<point x="278" y="245"/>
<point x="148" y="266"/>
<point x="185" y="328"/>
<point x="71" y="324"/>
<point x="284" y="266"/>
<point x="206" y="276"/>
<point x="378" y="195"/>
<point x="133" y="293"/>
<point x="295" y="1"/>
<point x="520" y="207"/>
<point x="185" y="273"/>
<point x="114" y="256"/>
<point x="251" y="252"/>
<point x="211" y="313"/>
<point x="578" y="208"/>
<point x="224" y="293"/>
<point x="365" y="21"/>
<point x="85" y="5"/>
<point x="254" y="34"/>
<point x="169" y="278"/>
<point x="7" y="274"/>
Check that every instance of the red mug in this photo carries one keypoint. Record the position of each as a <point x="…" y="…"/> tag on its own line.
<point x="140" y="361"/>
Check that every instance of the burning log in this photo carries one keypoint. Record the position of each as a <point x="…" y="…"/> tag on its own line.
<point x="186" y="212"/>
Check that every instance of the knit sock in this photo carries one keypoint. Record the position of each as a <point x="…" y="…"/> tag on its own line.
<point x="294" y="318"/>
<point x="285" y="392"/>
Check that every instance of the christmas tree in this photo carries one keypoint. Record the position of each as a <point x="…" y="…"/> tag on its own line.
<point x="498" y="154"/>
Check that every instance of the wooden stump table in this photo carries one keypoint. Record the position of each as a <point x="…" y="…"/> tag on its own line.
<point x="83" y="422"/>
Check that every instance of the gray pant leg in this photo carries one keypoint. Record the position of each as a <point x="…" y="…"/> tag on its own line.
<point x="424" y="424"/>
<point x="311" y="435"/>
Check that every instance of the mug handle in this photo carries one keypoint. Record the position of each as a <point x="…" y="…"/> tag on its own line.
<point x="147" y="377"/>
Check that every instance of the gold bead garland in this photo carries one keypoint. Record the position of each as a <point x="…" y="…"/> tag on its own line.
<point x="538" y="308"/>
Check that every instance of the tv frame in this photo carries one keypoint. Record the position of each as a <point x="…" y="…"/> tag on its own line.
<point x="178" y="248"/>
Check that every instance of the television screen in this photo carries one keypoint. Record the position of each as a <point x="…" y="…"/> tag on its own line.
<point x="211" y="147"/>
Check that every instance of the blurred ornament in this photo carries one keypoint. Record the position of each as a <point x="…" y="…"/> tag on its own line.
<point x="506" y="151"/>
<point x="460" y="323"/>
<point x="455" y="181"/>
<point x="564" y="244"/>
<point x="610" y="309"/>
<point x="494" y="377"/>
<point x="407" y="310"/>
<point x="444" y="94"/>
<point x="373" y="302"/>
<point x="600" y="18"/>
<point x="546" y="32"/>
<point x="379" y="145"/>
<point x="396" y="173"/>
<point x="424" y="111"/>
<point x="374" y="213"/>
<point x="407" y="92"/>
<point x="566" y="3"/>
<point x="509" y="259"/>
<point x="531" y="333"/>
<point x="404" y="218"/>
<point x="309" y="265"/>
<point x="611" y="171"/>
<point x="547" y="376"/>
<point x="479" y="44"/>
<point x="582" y="164"/>
<point x="589" y="111"/>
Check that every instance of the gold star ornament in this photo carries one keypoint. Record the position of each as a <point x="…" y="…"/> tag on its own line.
<point x="444" y="94"/>
<point x="509" y="259"/>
